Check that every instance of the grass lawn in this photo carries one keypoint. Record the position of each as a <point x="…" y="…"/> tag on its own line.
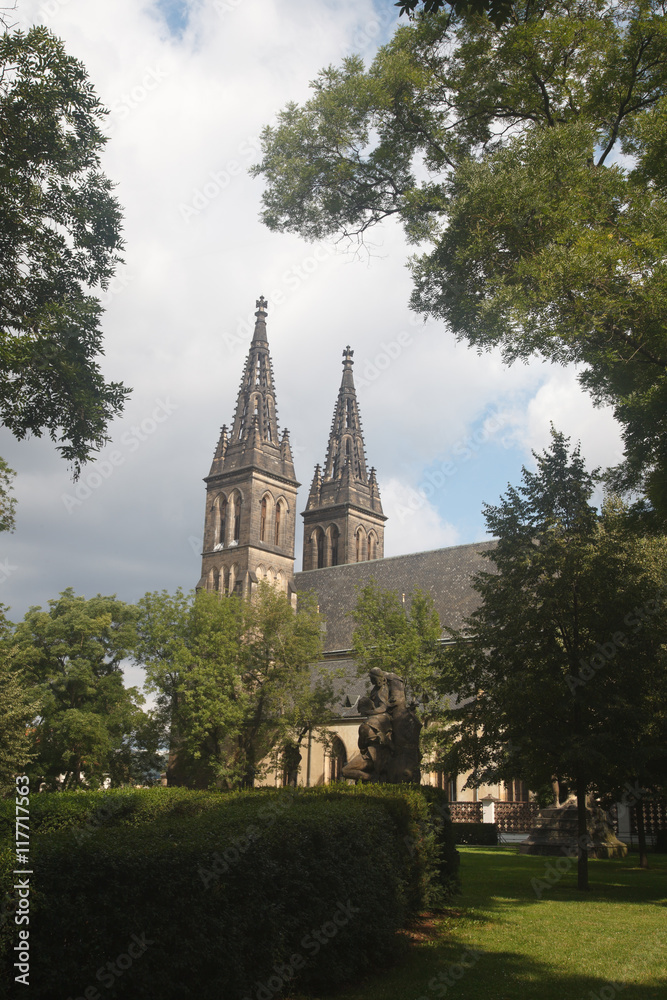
<point x="565" y="945"/>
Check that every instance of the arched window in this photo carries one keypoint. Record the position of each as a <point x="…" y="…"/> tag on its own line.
<point x="236" y="526"/>
<point x="338" y="759"/>
<point x="372" y="545"/>
<point x="222" y="514"/>
<point x="319" y="548"/>
<point x="262" y="519"/>
<point x="215" y="581"/>
<point x="359" y="537"/>
<point x="276" y="533"/>
<point x="334" y="546"/>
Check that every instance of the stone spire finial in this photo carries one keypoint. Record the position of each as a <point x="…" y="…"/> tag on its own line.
<point x="342" y="495"/>
<point x="346" y="443"/>
<point x="260" y="324"/>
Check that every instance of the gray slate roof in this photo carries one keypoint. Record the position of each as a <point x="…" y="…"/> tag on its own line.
<point x="443" y="573"/>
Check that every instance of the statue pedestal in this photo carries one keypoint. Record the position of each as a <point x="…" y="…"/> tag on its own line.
<point x="555" y="832"/>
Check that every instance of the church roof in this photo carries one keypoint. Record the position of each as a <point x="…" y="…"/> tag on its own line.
<point x="443" y="573"/>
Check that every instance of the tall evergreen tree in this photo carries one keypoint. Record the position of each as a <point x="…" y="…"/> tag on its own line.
<point x="563" y="663"/>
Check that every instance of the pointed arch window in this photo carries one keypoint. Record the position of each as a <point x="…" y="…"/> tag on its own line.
<point x="262" y="519"/>
<point x="236" y="532"/>
<point x="359" y="544"/>
<point x="222" y="527"/>
<point x="372" y="545"/>
<point x="276" y="533"/>
<point x="320" y="548"/>
<point x="334" y="546"/>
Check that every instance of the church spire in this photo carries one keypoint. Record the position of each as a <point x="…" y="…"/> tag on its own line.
<point x="251" y="487"/>
<point x="255" y="425"/>
<point x="346" y="443"/>
<point x="343" y="520"/>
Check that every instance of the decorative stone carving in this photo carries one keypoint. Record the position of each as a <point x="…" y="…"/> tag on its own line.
<point x="389" y="736"/>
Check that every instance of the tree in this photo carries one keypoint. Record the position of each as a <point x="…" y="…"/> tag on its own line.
<point x="498" y="148"/>
<point x="18" y="710"/>
<point x="559" y="669"/>
<point x="7" y="501"/>
<point x="497" y="10"/>
<point x="60" y="236"/>
<point x="233" y="679"/>
<point x="89" y="725"/>
<point x="401" y="637"/>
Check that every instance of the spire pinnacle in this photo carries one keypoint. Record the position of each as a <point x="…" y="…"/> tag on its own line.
<point x="254" y="437"/>
<point x="346" y="443"/>
<point x="260" y="324"/>
<point x="343" y="519"/>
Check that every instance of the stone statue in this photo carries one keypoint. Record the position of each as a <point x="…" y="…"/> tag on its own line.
<point x="389" y="736"/>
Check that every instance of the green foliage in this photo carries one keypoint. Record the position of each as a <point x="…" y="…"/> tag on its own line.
<point x="498" y="147"/>
<point x="403" y="638"/>
<point x="233" y="678"/>
<point x="561" y="670"/>
<point x="231" y="892"/>
<point x="18" y="709"/>
<point x="7" y="501"/>
<point x="497" y="10"/>
<point x="89" y="725"/>
<point x="60" y="229"/>
<point x="83" y="811"/>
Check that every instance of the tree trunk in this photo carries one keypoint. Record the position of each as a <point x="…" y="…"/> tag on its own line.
<point x="641" y="834"/>
<point x="555" y="787"/>
<point x="582" y="835"/>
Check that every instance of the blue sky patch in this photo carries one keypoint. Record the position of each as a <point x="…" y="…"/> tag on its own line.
<point x="175" y="13"/>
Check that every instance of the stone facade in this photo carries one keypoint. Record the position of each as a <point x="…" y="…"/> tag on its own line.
<point x="250" y="520"/>
<point x="249" y="533"/>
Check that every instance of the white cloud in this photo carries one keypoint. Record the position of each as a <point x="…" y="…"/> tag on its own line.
<point x="185" y="114"/>
<point x="416" y="525"/>
<point x="561" y="401"/>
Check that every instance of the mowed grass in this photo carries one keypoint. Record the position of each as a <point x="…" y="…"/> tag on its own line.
<point x="561" y="945"/>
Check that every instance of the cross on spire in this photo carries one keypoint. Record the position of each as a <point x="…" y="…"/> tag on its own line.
<point x="347" y="357"/>
<point x="261" y="304"/>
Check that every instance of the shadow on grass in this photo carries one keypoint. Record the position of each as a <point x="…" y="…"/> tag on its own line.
<point x="475" y="950"/>
<point x="454" y="970"/>
<point x="508" y="876"/>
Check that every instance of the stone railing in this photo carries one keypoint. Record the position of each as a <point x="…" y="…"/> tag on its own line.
<point x="655" y="816"/>
<point x="465" y="812"/>
<point x="516" y="817"/>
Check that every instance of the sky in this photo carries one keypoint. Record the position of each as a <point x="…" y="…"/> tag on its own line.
<point x="189" y="87"/>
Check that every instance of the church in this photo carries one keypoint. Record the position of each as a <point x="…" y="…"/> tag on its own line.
<point x="250" y="529"/>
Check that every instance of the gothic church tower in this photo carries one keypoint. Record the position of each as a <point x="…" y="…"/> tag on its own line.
<point x="343" y="519"/>
<point x="251" y="488"/>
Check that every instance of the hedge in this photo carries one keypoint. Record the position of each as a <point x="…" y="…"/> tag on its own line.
<point x="248" y="892"/>
<point x="476" y="833"/>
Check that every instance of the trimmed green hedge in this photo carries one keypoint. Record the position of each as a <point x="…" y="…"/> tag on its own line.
<point x="89" y="810"/>
<point x="476" y="833"/>
<point x="238" y="895"/>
